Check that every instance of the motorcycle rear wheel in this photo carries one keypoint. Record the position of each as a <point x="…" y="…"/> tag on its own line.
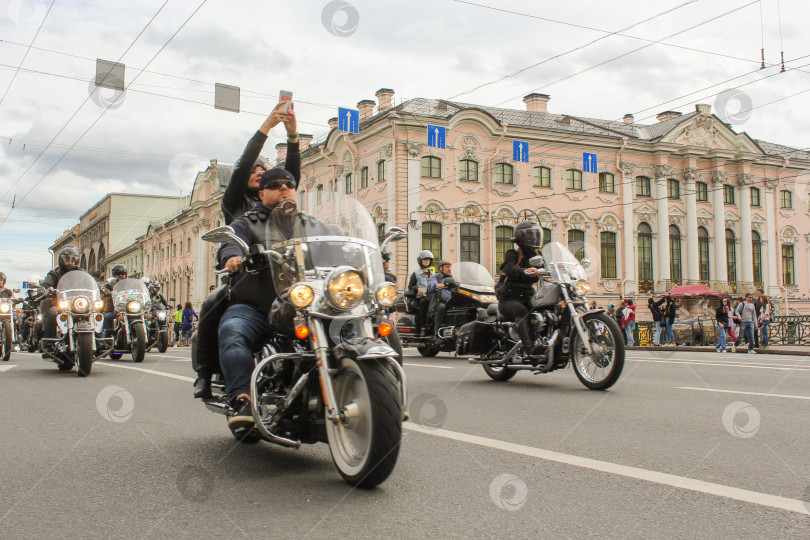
<point x="365" y="445"/>
<point x="84" y="352"/>
<point x="499" y="373"/>
<point x="8" y="341"/>
<point x="601" y="370"/>
<point x="429" y="350"/>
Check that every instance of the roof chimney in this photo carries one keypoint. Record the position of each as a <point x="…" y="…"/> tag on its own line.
<point x="536" y="102"/>
<point x="385" y="99"/>
<point x="703" y="108"/>
<point x="333" y="122"/>
<point x="628" y="118"/>
<point x="304" y="139"/>
<point x="365" y="107"/>
<point x="667" y="115"/>
<point x="281" y="148"/>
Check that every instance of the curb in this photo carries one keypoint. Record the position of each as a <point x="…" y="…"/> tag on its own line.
<point x="740" y="350"/>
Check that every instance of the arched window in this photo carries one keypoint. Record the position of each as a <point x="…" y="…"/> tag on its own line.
<point x="576" y="243"/>
<point x="546" y="236"/>
<point x="703" y="253"/>
<point x="102" y="254"/>
<point x="642" y="186"/>
<point x="573" y="179"/>
<point x="503" y="243"/>
<point x="348" y="183"/>
<point x="645" y="256"/>
<point x="503" y="174"/>
<point x="468" y="170"/>
<point x="319" y="194"/>
<point x="364" y="178"/>
<point x="380" y="171"/>
<point x="756" y="249"/>
<point x="607" y="183"/>
<point x="541" y="177"/>
<point x="91" y="261"/>
<point x="83" y="263"/>
<point x="788" y="271"/>
<point x="674" y="252"/>
<point x="607" y="257"/>
<point x="470" y="242"/>
<point x="673" y="189"/>
<point x="731" y="255"/>
<point x="432" y="238"/>
<point x="431" y="167"/>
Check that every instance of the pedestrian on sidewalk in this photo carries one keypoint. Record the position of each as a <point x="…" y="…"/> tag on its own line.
<point x="722" y="324"/>
<point x="765" y="314"/>
<point x="758" y="305"/>
<point x="177" y="317"/>
<point x="654" y="307"/>
<point x="670" y="309"/>
<point x="629" y="321"/>
<point x="189" y="316"/>
<point x="748" y="315"/>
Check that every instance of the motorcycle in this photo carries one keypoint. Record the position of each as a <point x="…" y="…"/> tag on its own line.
<point x="323" y="375"/>
<point x="474" y="289"/>
<point x="560" y="321"/>
<point x="7" y="332"/>
<point x="31" y="327"/>
<point x="78" y="320"/>
<point x="157" y="328"/>
<point x="131" y="299"/>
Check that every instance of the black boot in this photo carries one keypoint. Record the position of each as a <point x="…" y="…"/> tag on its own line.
<point x="530" y="346"/>
<point x="202" y="388"/>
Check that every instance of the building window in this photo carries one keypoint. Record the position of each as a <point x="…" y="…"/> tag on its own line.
<point x="674" y="252"/>
<point x="788" y="275"/>
<point x="380" y="171"/>
<point x="642" y="186"/>
<point x="381" y="232"/>
<point x="348" y="183"/>
<point x="673" y="189"/>
<point x="364" y="178"/>
<point x="786" y="199"/>
<point x="546" y="236"/>
<point x="755" y="196"/>
<point x="503" y="243"/>
<point x="174" y="250"/>
<point x="503" y="174"/>
<point x="188" y="246"/>
<point x="702" y="190"/>
<point x="728" y="194"/>
<point x="432" y="238"/>
<point x="541" y="177"/>
<point x="319" y="195"/>
<point x="645" y="260"/>
<point x="576" y="243"/>
<point x="470" y="243"/>
<point x="703" y="253"/>
<point x="731" y="255"/>
<point x="607" y="257"/>
<point x="756" y="248"/>
<point x="573" y="179"/>
<point x="431" y="167"/>
<point x="147" y="260"/>
<point x="607" y="183"/>
<point x="468" y="170"/>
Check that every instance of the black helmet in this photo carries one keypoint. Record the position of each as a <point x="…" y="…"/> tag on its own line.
<point x="528" y="233"/>
<point x="69" y="258"/>
<point x="119" y="270"/>
<point x="424" y="254"/>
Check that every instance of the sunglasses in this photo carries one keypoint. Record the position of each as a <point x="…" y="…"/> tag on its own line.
<point x="278" y="184"/>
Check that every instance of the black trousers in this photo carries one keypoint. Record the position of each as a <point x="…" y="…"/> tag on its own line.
<point x="204" y="342"/>
<point x="517" y="311"/>
<point x="422" y="312"/>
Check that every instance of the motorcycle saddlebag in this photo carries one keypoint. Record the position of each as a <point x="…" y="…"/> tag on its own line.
<point x="475" y="337"/>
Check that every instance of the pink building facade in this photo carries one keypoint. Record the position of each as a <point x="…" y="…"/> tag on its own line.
<point x="683" y="200"/>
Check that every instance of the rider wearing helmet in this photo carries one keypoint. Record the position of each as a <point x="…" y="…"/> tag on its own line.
<point x="515" y="287"/>
<point x="418" y="287"/>
<point x="5" y="293"/>
<point x="119" y="272"/>
<point x="68" y="260"/>
<point x="154" y="293"/>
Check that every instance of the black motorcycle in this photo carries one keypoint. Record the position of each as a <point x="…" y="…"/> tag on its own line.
<point x="472" y="288"/>
<point x="157" y="327"/>
<point x="30" y="329"/>
<point x="131" y="299"/>
<point x="561" y="323"/>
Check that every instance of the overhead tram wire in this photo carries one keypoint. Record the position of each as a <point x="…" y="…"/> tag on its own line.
<point x="108" y="107"/>
<point x="27" y="50"/>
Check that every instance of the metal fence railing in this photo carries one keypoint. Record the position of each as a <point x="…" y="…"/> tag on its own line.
<point x="783" y="330"/>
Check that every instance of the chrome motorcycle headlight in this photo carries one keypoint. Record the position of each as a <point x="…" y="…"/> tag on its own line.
<point x="486" y="298"/>
<point x="345" y="288"/>
<point x="5" y="308"/>
<point x="81" y="305"/>
<point x="387" y="294"/>
<point x="98" y="304"/>
<point x="301" y="295"/>
<point x="161" y="315"/>
<point x="134" y="307"/>
<point x="581" y="287"/>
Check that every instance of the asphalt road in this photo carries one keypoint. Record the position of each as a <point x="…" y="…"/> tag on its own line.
<point x="685" y="445"/>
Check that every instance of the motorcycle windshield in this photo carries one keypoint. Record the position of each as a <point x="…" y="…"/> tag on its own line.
<point x="562" y="264"/>
<point x="77" y="283"/>
<point x="327" y="231"/>
<point x="130" y="290"/>
<point x="472" y="275"/>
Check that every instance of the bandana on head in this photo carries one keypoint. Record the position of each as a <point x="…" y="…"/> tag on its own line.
<point x="276" y="173"/>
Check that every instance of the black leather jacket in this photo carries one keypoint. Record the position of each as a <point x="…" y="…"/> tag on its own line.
<point x="514" y="283"/>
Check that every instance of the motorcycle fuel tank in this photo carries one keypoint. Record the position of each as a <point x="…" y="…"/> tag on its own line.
<point x="547" y="295"/>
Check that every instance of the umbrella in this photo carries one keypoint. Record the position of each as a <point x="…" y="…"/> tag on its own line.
<point x="695" y="291"/>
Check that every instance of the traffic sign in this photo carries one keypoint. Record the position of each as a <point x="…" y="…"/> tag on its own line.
<point x="520" y="151"/>
<point x="436" y="136"/>
<point x="588" y="162"/>
<point x="348" y="120"/>
<point x="24" y="284"/>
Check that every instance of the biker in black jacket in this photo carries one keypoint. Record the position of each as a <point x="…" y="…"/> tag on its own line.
<point x="68" y="260"/>
<point x="515" y="287"/>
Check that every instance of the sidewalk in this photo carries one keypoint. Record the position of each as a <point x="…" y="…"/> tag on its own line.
<point x="794" y="350"/>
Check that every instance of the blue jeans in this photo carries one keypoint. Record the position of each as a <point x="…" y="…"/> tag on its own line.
<point x="628" y="333"/>
<point x="765" y="333"/>
<point x="240" y="329"/>
<point x="721" y="345"/>
<point x="657" y="333"/>
<point x="670" y="333"/>
<point x="748" y="332"/>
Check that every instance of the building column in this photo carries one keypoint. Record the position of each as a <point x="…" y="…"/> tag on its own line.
<point x="747" y="253"/>
<point x="719" y="271"/>
<point x="629" y="267"/>
<point x="662" y="224"/>
<point x="691" y="267"/>
<point x="774" y="250"/>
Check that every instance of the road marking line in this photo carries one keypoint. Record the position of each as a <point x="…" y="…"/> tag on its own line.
<point x="6" y="367"/>
<point x="693" y="363"/>
<point x="149" y="371"/>
<point x="682" y="482"/>
<point x="800" y="363"/>
<point x="426" y="365"/>
<point x="741" y="392"/>
<point x="167" y="356"/>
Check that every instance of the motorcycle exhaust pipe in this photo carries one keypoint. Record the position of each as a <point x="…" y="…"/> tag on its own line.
<point x="551" y="344"/>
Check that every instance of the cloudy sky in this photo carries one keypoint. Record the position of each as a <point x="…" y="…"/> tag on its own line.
<point x="63" y="147"/>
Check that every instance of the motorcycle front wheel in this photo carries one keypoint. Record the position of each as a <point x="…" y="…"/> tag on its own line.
<point x="84" y="352"/>
<point x="163" y="341"/>
<point x="365" y="443"/>
<point x="8" y="341"/>
<point x="600" y="370"/>
<point x="138" y="343"/>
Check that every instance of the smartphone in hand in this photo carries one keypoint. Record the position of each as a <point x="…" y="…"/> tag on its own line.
<point x="285" y="98"/>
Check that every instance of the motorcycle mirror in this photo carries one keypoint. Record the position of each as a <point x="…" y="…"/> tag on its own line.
<point x="224" y="234"/>
<point x="393" y="234"/>
<point x="586" y="263"/>
<point x="537" y="261"/>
